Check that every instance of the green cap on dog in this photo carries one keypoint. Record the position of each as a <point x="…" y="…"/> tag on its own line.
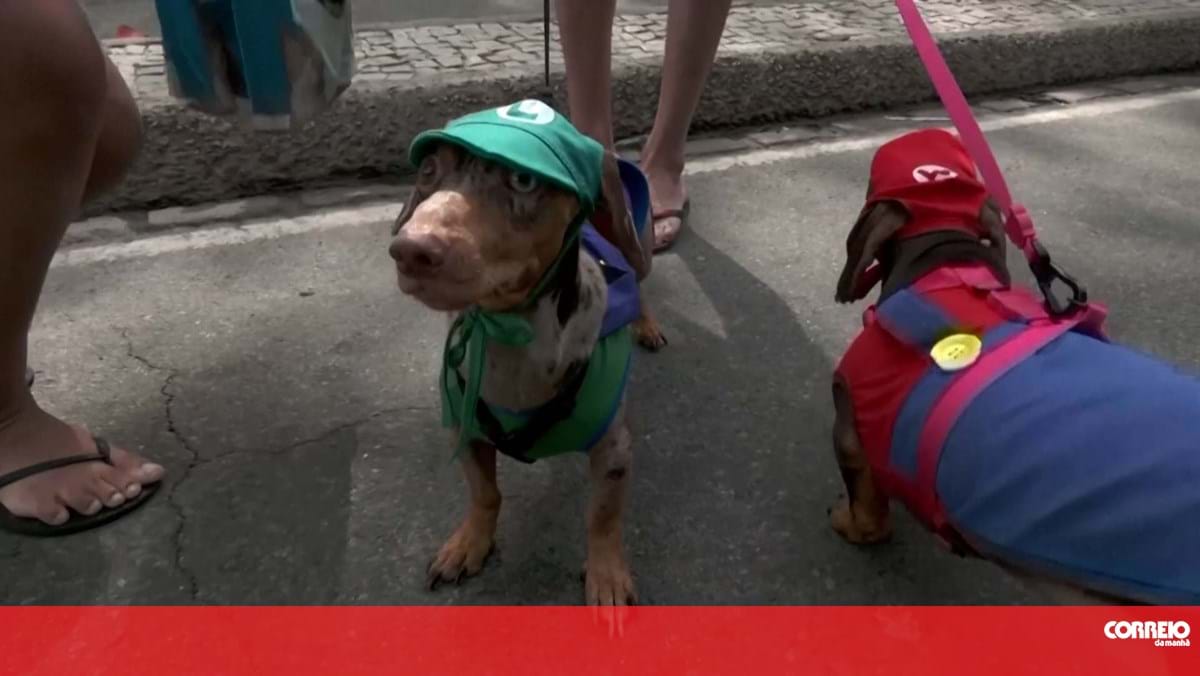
<point x="526" y="136"/>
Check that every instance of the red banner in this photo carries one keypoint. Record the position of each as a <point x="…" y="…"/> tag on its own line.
<point x="475" y="641"/>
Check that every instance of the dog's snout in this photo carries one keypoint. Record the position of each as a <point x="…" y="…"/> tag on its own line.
<point x="419" y="255"/>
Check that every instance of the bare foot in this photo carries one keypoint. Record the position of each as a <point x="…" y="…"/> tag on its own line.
<point x="465" y="552"/>
<point x="857" y="526"/>
<point x="668" y="203"/>
<point x="32" y="436"/>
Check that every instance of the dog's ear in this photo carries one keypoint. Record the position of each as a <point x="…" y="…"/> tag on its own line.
<point x="415" y="197"/>
<point x="875" y="226"/>
<point x="612" y="220"/>
<point x="993" y="223"/>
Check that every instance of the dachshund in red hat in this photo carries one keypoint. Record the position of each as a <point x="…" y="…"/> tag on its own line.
<point x="1014" y="433"/>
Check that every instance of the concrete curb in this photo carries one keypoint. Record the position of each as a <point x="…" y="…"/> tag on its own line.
<point x="191" y="158"/>
<point x="126" y="226"/>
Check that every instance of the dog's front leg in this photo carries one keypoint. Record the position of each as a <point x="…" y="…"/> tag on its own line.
<point x="464" y="553"/>
<point x="607" y="580"/>
<point x="647" y="331"/>
<point x="861" y="516"/>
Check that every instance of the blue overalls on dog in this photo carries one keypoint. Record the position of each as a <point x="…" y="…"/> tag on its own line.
<point x="1080" y="459"/>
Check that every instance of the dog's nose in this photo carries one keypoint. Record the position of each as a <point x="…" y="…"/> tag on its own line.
<point x="419" y="255"/>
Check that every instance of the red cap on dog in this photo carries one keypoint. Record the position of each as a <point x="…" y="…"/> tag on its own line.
<point x="931" y="174"/>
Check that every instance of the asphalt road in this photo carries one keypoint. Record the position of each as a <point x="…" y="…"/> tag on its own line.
<point x="107" y="15"/>
<point x="290" y="389"/>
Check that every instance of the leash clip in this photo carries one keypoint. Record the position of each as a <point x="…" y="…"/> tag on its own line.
<point x="1046" y="272"/>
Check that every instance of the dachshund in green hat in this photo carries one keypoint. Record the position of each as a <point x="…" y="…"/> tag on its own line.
<point x="534" y="239"/>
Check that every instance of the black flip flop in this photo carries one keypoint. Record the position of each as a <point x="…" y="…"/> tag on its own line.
<point x="77" y="522"/>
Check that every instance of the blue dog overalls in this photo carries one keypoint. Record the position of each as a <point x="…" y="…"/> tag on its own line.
<point x="1015" y="433"/>
<point x="530" y="136"/>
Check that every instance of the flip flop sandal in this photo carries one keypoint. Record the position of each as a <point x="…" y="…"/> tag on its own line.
<point x="681" y="214"/>
<point x="77" y="522"/>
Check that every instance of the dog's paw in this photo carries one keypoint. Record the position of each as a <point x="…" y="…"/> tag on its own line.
<point x="608" y="582"/>
<point x="461" y="557"/>
<point x="858" y="527"/>
<point x="649" y="334"/>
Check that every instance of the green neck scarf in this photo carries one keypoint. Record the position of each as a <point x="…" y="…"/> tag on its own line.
<point x="468" y="339"/>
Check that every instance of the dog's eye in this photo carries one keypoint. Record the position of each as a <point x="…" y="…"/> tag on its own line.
<point x="522" y="182"/>
<point x="428" y="169"/>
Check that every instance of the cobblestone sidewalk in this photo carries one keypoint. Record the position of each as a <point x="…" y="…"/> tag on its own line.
<point x="418" y="54"/>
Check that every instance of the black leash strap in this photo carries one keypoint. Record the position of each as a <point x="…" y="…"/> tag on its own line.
<point x="514" y="444"/>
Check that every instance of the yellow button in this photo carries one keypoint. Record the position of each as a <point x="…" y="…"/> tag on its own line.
<point x="956" y="352"/>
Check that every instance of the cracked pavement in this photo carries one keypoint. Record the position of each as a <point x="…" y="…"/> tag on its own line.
<point x="290" y="391"/>
<point x="169" y="399"/>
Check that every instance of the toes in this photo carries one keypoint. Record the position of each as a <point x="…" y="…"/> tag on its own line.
<point x="433" y="576"/>
<point x="444" y="568"/>
<point x="652" y="341"/>
<point x="45" y="508"/>
<point x="85" y="495"/>
<point x="609" y="600"/>
<point x="616" y="589"/>
<point x="151" y="472"/>
<point x="105" y="482"/>
<point x="453" y="567"/>
<point x="134" y="469"/>
<point x="49" y="511"/>
<point x="665" y="232"/>
<point x="128" y="474"/>
<point x="113" y="486"/>
<point x="93" y="506"/>
<point x="55" y="516"/>
<point x="112" y="498"/>
<point x="649" y="335"/>
<point x="138" y="468"/>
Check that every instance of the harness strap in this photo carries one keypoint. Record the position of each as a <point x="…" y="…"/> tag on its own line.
<point x="913" y="320"/>
<point x="1014" y="302"/>
<point x="937" y="401"/>
<point x="959" y="395"/>
<point x="976" y="276"/>
<point x="918" y="323"/>
<point x="515" y="443"/>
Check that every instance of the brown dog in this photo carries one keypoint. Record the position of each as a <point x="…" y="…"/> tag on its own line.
<point x="1067" y="467"/>
<point x="479" y="233"/>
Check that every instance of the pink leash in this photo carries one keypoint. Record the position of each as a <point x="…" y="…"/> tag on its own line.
<point x="1017" y="221"/>
<point x="1019" y="226"/>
